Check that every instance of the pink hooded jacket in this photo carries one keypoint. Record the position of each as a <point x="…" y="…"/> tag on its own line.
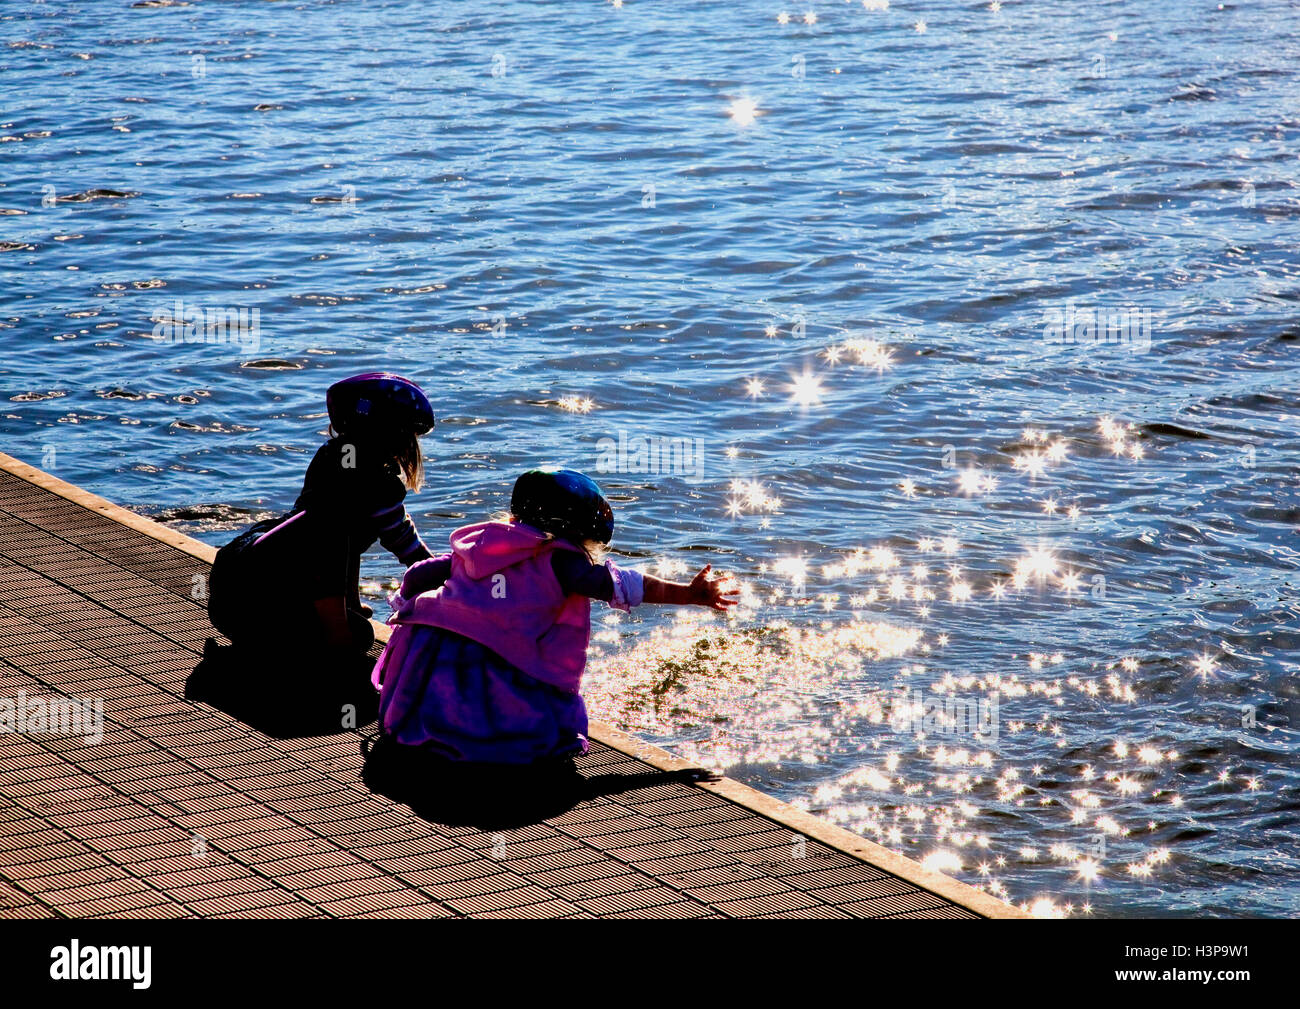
<point x="503" y="594"/>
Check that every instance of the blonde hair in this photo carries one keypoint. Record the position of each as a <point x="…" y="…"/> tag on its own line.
<point x="410" y="460"/>
<point x="403" y="451"/>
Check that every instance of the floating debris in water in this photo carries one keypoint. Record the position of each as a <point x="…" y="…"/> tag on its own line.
<point x="272" y="364"/>
<point x="97" y="194"/>
<point x="36" y="397"/>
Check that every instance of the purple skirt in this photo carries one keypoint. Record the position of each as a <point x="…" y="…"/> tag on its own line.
<point x="463" y="702"/>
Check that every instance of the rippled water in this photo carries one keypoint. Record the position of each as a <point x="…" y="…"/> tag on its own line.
<point x="828" y="251"/>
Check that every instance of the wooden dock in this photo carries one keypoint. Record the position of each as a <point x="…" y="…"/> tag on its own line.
<point x="181" y="810"/>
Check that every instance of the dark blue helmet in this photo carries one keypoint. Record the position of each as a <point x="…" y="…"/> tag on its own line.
<point x="565" y="503"/>
<point x="378" y="403"/>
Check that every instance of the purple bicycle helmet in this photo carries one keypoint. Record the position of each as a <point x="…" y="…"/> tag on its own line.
<point x="378" y="402"/>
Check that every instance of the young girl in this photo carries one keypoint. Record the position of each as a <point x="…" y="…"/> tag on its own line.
<point x="489" y="642"/>
<point x="292" y="583"/>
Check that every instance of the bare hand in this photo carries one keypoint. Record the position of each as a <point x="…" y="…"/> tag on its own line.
<point x="708" y="591"/>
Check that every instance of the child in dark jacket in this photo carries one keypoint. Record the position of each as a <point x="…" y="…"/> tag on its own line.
<point x="292" y="583"/>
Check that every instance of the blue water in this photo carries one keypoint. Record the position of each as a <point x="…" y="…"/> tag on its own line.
<point x="524" y="206"/>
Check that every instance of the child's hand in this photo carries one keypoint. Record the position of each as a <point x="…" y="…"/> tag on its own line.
<point x="702" y="591"/>
<point x="425" y="575"/>
<point x="707" y="591"/>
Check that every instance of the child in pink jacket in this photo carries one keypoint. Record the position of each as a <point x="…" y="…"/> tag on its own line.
<point x="489" y="642"/>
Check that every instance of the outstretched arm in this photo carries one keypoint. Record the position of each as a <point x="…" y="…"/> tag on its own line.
<point x="702" y="590"/>
<point x="398" y="536"/>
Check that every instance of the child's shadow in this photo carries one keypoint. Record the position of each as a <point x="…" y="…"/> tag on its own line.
<point x="495" y="798"/>
<point x="285" y="695"/>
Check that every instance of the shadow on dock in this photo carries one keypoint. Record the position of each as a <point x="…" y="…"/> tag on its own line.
<point x="286" y="694"/>
<point x="489" y="797"/>
<point x="293" y="695"/>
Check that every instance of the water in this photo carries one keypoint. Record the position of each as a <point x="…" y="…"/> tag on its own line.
<point x="829" y="251"/>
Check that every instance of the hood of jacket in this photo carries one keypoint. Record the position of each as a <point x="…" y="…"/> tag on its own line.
<point x="488" y="547"/>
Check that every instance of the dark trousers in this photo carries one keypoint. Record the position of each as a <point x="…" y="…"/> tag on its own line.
<point x="245" y="604"/>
